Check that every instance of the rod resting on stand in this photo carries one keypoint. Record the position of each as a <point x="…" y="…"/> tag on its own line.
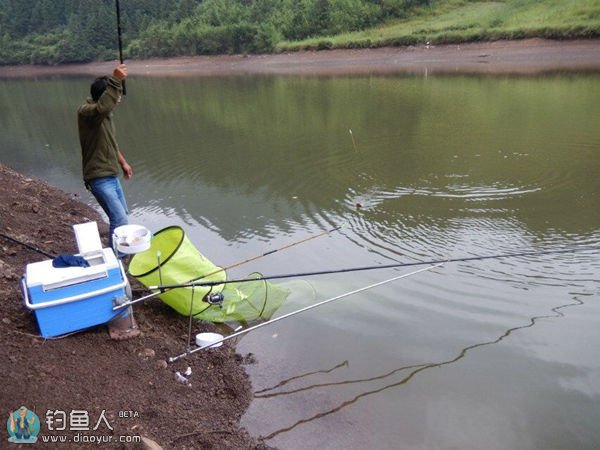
<point x="293" y="313"/>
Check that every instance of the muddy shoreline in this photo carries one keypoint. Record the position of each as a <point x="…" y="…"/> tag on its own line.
<point x="87" y="371"/>
<point x="525" y="57"/>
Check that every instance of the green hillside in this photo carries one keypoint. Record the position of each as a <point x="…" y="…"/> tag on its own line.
<point x="455" y="21"/>
<point x="67" y="31"/>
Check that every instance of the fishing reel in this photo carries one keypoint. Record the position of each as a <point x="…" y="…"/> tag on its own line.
<point x="216" y="298"/>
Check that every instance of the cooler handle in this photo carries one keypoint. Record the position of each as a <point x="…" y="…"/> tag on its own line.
<point x="73" y="298"/>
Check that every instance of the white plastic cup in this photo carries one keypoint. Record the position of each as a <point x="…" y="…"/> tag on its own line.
<point x="204" y="339"/>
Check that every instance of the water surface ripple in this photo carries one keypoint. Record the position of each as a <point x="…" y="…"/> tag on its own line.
<point x="493" y="353"/>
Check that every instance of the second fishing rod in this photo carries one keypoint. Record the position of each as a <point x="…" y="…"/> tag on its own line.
<point x="197" y="280"/>
<point x="199" y="283"/>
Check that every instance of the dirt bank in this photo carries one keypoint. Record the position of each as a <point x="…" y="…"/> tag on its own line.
<point x="129" y="380"/>
<point x="530" y="56"/>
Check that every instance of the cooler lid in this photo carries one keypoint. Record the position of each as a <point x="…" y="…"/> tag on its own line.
<point x="43" y="274"/>
<point x="88" y="238"/>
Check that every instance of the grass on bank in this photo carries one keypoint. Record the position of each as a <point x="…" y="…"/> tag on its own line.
<point x="454" y="21"/>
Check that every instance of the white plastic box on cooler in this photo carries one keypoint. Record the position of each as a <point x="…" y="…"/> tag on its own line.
<point x="69" y="299"/>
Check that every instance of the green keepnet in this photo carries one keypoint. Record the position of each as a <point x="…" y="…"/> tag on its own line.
<point x="180" y="262"/>
<point x="173" y="259"/>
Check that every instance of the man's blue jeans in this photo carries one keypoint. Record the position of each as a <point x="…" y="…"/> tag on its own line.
<point x="109" y="194"/>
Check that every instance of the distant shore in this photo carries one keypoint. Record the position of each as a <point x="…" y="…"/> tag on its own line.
<point x="526" y="57"/>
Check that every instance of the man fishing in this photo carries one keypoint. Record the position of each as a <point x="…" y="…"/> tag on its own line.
<point x="102" y="161"/>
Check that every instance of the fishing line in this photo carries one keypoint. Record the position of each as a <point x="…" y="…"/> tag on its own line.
<point x="378" y="267"/>
<point x="353" y="141"/>
<point x="307" y="308"/>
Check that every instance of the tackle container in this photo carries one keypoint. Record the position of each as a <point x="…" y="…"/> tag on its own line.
<point x="69" y="299"/>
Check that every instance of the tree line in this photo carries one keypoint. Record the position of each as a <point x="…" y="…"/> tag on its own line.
<point x="72" y="31"/>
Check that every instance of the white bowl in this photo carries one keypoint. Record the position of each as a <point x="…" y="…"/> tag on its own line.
<point x="204" y="339"/>
<point x="132" y="239"/>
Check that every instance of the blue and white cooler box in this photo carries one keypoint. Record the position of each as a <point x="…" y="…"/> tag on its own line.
<point x="74" y="298"/>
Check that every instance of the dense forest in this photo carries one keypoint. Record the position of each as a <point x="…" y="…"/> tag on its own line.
<point x="64" y="31"/>
<point x="72" y="31"/>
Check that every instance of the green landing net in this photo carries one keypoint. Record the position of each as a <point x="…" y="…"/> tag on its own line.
<point x="172" y="259"/>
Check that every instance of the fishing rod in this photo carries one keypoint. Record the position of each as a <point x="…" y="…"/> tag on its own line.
<point x="118" y="8"/>
<point x="378" y="267"/>
<point x="29" y="246"/>
<point x="307" y="308"/>
<point x="270" y="252"/>
<point x="193" y="282"/>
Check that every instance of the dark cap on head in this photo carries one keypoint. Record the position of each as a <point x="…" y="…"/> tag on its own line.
<point x="98" y="87"/>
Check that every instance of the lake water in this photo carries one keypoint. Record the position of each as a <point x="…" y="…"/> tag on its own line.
<point x="493" y="354"/>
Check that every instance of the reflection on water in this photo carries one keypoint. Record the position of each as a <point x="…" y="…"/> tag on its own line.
<point x="414" y="370"/>
<point x="415" y="169"/>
